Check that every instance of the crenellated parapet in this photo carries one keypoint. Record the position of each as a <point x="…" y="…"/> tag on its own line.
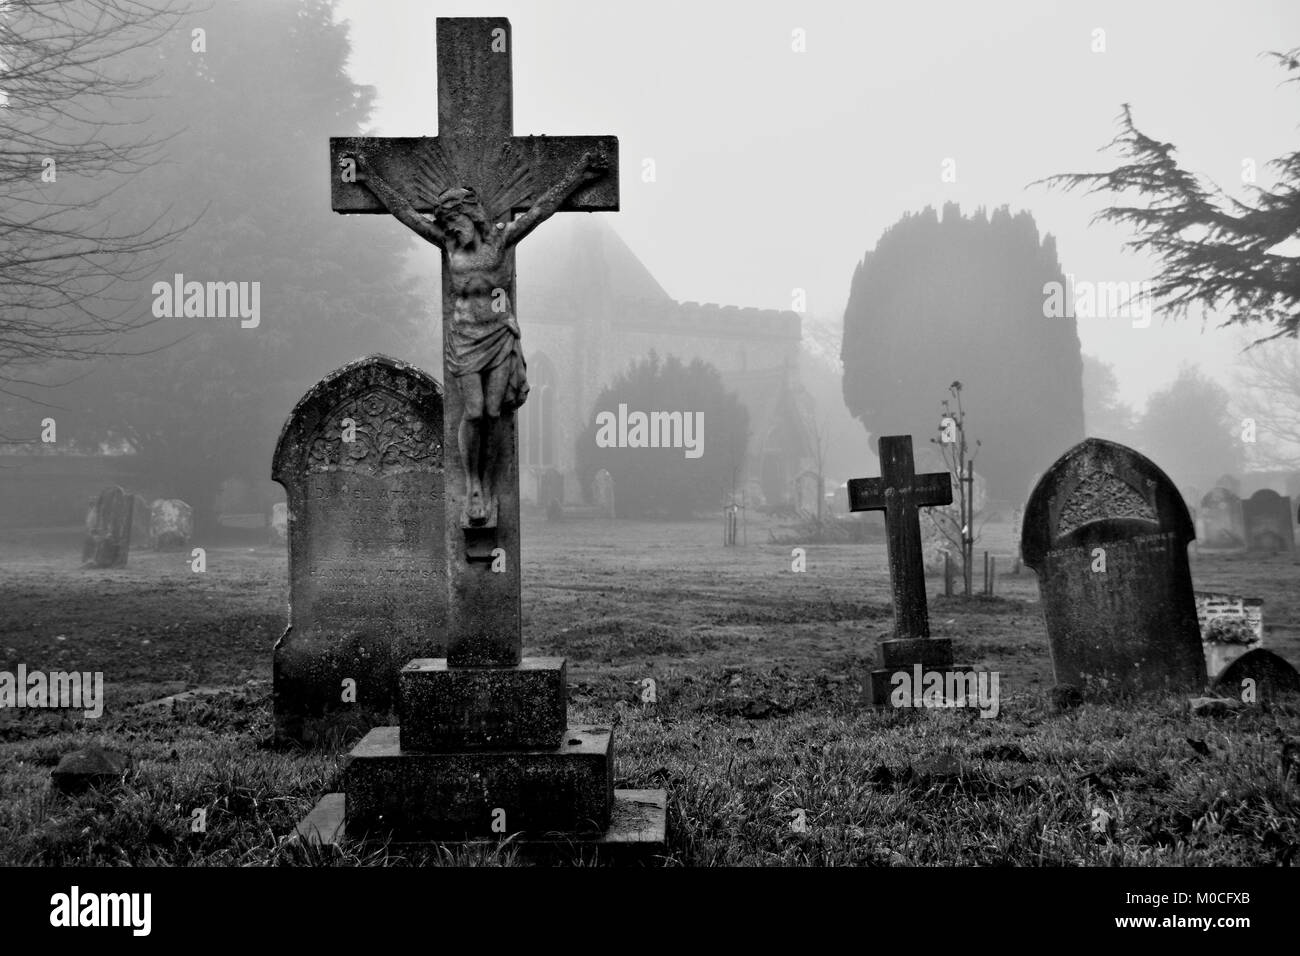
<point x="710" y="319"/>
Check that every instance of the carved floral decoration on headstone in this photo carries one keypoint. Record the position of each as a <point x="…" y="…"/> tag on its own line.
<point x="386" y="434"/>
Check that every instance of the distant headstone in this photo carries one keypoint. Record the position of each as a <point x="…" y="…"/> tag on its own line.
<point x="108" y="540"/>
<point x="1267" y="516"/>
<point x="171" y="524"/>
<point x="1230" y="482"/>
<point x="1231" y="625"/>
<point x="361" y="462"/>
<point x="550" y="488"/>
<point x="279" y="523"/>
<point x="1107" y="533"/>
<point x="808" y="493"/>
<point x="1221" y="520"/>
<point x="603" y="490"/>
<point x="1260" y="675"/>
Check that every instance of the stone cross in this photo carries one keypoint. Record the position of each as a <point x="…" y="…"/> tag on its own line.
<point x="899" y="493"/>
<point x="476" y="163"/>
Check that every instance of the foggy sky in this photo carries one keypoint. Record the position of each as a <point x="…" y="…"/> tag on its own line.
<point x="777" y="170"/>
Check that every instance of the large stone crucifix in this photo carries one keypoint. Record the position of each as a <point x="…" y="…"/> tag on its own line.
<point x="475" y="190"/>
<point x="900" y="492"/>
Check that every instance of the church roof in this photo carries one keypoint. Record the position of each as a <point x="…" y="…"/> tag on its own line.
<point x="584" y="252"/>
<point x="578" y="265"/>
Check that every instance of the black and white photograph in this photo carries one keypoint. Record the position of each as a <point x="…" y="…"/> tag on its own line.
<point x="590" y="437"/>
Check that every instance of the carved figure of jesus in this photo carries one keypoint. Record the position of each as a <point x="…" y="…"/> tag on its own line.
<point x="481" y="345"/>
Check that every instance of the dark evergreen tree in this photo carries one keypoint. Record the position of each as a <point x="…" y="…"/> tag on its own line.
<point x="1216" y="251"/>
<point x="962" y="299"/>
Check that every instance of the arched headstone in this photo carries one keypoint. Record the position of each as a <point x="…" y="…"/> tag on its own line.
<point x="1107" y="533"/>
<point x="1221" y="520"/>
<point x="1267" y="516"/>
<point x="361" y="462"/>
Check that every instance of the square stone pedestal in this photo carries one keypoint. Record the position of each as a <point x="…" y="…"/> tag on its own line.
<point x="465" y="708"/>
<point x="637" y="831"/>
<point x="482" y="754"/>
<point x="457" y="794"/>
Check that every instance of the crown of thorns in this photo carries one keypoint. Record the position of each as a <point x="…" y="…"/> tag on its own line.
<point x="460" y="199"/>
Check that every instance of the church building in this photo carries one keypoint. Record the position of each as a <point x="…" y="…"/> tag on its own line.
<point x="589" y="308"/>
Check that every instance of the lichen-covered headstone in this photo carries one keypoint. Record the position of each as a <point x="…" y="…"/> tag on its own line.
<point x="361" y="462"/>
<point x="1107" y="533"/>
<point x="171" y="524"/>
<point x="1267" y="516"/>
<point x="108" y="532"/>
<point x="1220" y="517"/>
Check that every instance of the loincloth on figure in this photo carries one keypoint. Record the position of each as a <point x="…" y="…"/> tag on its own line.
<point x="476" y="349"/>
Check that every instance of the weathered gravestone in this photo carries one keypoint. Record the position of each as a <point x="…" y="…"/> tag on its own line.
<point x="279" y="523"/>
<point x="550" y="488"/>
<point x="171" y="524"/>
<point x="1107" y="533"/>
<point x="808" y="494"/>
<point x="361" y="462"/>
<point x="1267" y="516"/>
<point x="1221" y="520"/>
<point x="483" y="748"/>
<point x="108" y="535"/>
<point x="900" y="493"/>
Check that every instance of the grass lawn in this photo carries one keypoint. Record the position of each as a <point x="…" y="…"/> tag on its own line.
<point x="758" y="717"/>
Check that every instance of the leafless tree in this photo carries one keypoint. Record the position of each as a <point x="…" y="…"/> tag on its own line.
<point x="1269" y="392"/>
<point x="957" y="525"/>
<point x="72" y="96"/>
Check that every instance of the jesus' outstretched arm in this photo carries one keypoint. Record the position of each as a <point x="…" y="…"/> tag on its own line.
<point x="398" y="205"/>
<point x="590" y="167"/>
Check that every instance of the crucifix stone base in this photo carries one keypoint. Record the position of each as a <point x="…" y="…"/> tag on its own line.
<point x="482" y="753"/>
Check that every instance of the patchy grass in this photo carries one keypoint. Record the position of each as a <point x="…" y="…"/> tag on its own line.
<point x="757" y="674"/>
